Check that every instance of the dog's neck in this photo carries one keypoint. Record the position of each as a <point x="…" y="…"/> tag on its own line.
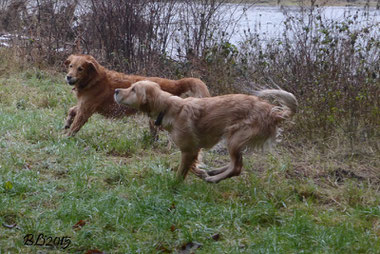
<point x="161" y="107"/>
<point x="91" y="81"/>
<point x="159" y="103"/>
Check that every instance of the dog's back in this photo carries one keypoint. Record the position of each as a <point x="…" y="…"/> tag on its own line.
<point x="186" y="87"/>
<point x="94" y="86"/>
<point x="223" y="116"/>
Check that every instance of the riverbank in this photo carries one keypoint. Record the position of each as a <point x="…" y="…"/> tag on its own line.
<point x="318" y="3"/>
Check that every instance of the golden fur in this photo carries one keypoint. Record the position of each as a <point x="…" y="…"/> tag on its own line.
<point x="195" y="123"/>
<point x="94" y="86"/>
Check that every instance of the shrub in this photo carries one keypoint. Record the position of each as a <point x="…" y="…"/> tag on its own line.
<point x="331" y="66"/>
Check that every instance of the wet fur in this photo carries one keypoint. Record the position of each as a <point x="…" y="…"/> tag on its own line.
<point x="194" y="123"/>
<point x="94" y="87"/>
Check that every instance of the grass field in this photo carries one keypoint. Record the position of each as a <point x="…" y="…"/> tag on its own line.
<point x="110" y="189"/>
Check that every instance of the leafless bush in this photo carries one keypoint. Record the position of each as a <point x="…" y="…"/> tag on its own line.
<point x="132" y="36"/>
<point x="124" y="33"/>
<point x="331" y="66"/>
<point x="40" y="30"/>
<point x="203" y="31"/>
<point x="141" y="34"/>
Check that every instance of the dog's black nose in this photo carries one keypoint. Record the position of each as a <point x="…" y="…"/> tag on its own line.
<point x="68" y="77"/>
<point x="117" y="91"/>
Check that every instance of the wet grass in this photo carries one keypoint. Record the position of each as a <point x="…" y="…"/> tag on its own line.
<point x="121" y="189"/>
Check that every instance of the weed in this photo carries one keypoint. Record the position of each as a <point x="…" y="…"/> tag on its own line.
<point x="313" y="193"/>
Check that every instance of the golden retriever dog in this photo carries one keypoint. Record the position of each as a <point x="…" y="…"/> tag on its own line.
<point x="94" y="86"/>
<point x="194" y="123"/>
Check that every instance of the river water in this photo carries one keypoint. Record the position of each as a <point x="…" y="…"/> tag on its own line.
<point x="266" y="21"/>
<point x="269" y="21"/>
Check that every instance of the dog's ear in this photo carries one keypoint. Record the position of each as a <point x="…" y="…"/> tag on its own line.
<point x="92" y="66"/>
<point x="67" y="61"/>
<point x="141" y="95"/>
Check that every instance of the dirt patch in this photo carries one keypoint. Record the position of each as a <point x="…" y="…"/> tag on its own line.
<point x="119" y="154"/>
<point x="61" y="174"/>
<point x="341" y="174"/>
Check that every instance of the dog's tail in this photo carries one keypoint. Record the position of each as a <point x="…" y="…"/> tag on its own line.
<point x="287" y="107"/>
<point x="288" y="102"/>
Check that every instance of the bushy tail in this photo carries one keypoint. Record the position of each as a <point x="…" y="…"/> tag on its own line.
<point x="288" y="102"/>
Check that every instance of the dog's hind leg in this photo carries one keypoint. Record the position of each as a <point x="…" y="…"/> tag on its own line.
<point x="153" y="130"/>
<point x="233" y="169"/>
<point x="235" y="144"/>
<point x="199" y="172"/>
<point x="217" y="171"/>
<point x="188" y="161"/>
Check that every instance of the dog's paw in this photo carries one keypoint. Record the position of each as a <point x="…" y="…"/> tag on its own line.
<point x="201" y="174"/>
<point x="211" y="179"/>
<point x="213" y="172"/>
<point x="69" y="134"/>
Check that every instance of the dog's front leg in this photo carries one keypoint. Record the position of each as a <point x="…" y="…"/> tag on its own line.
<point x="79" y="120"/>
<point x="188" y="160"/>
<point x="153" y="130"/>
<point x="201" y="173"/>
<point x="70" y="117"/>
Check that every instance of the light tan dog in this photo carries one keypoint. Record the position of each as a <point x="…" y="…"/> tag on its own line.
<point x="244" y="120"/>
<point x="94" y="86"/>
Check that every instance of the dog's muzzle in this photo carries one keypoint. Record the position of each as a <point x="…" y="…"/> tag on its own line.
<point x="70" y="80"/>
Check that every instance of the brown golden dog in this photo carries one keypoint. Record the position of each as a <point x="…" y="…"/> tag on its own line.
<point x="194" y="123"/>
<point x="94" y="86"/>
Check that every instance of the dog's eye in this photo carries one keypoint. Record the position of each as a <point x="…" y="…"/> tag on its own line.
<point x="80" y="69"/>
<point x="71" y="65"/>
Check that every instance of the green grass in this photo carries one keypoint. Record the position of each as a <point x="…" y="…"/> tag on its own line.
<point x="293" y="200"/>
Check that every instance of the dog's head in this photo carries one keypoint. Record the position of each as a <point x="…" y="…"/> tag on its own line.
<point x="139" y="96"/>
<point x="80" y="70"/>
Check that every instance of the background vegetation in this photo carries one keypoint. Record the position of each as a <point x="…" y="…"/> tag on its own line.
<point x="318" y="191"/>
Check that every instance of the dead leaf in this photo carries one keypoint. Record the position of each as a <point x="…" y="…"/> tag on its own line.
<point x="172" y="207"/>
<point x="79" y="224"/>
<point x="172" y="228"/>
<point x="95" y="251"/>
<point x="163" y="249"/>
<point x="189" y="247"/>
<point x="216" y="237"/>
<point x="9" y="226"/>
